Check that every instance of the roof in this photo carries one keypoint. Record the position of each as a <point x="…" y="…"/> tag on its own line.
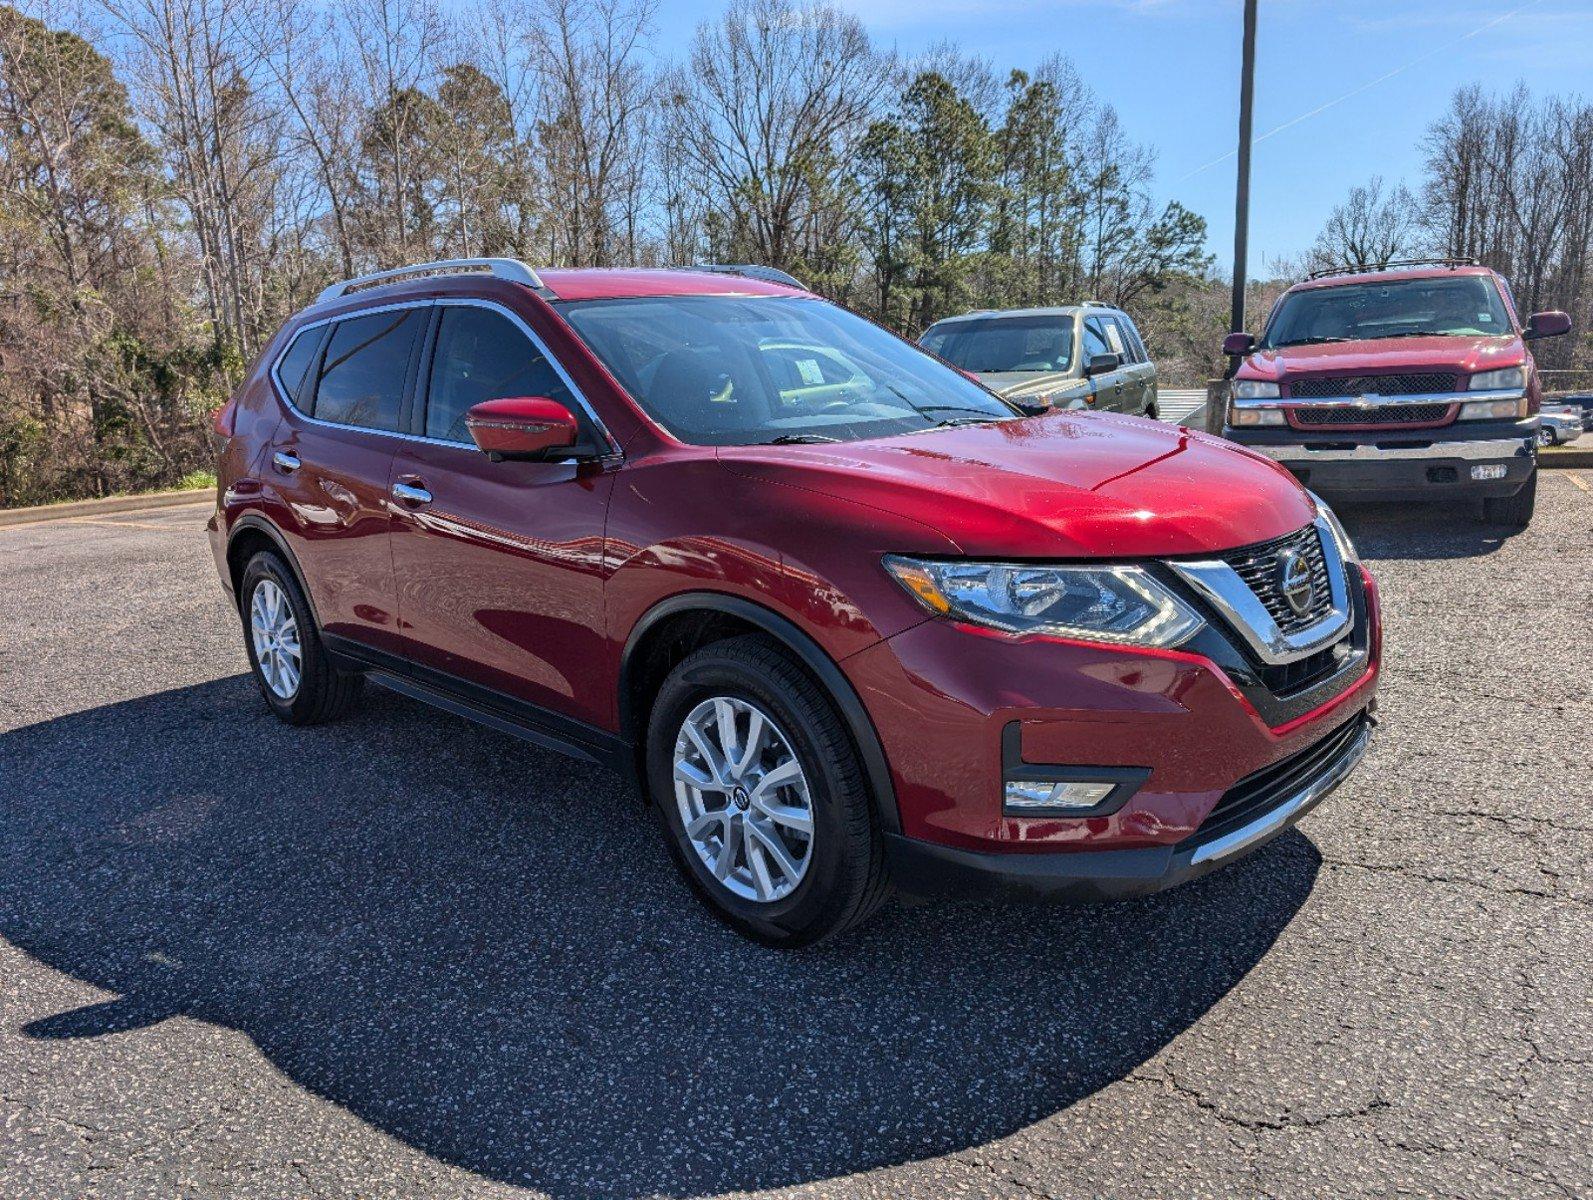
<point x="596" y="283"/>
<point x="1395" y="275"/>
<point x="1060" y="310"/>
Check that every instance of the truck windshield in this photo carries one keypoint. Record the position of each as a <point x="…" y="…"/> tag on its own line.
<point x="996" y="344"/>
<point x="1466" y="305"/>
<point x="744" y="370"/>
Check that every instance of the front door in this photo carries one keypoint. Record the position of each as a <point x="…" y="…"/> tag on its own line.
<point x="500" y="565"/>
<point x="330" y="463"/>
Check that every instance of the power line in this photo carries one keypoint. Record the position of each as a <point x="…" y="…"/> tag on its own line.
<point x="1353" y="92"/>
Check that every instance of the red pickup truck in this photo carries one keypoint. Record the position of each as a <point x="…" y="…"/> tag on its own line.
<point x="1412" y="382"/>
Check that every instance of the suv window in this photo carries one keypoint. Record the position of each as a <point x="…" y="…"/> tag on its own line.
<point x="483" y="355"/>
<point x="295" y="361"/>
<point x="1095" y="339"/>
<point x="1131" y="339"/>
<point x="366" y="364"/>
<point x="1003" y="343"/>
<point x="710" y="369"/>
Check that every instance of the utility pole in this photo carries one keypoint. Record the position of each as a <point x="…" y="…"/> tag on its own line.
<point x="1241" y="213"/>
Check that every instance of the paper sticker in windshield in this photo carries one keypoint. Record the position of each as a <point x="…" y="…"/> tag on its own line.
<point x="808" y="368"/>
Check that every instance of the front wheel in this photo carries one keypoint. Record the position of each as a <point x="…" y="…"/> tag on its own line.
<point x="1546" y="436"/>
<point x="762" y="795"/>
<point x="1513" y="511"/>
<point x="290" y="664"/>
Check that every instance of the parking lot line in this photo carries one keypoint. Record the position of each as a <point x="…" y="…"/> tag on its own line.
<point x="1576" y="478"/>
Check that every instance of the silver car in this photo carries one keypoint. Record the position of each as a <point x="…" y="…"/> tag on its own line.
<point x="1558" y="425"/>
<point x="1075" y="356"/>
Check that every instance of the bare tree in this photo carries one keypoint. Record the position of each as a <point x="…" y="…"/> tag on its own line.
<point x="1373" y="227"/>
<point x="770" y="111"/>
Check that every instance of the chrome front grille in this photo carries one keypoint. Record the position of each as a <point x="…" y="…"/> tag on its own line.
<point x="1420" y="384"/>
<point x="1260" y="567"/>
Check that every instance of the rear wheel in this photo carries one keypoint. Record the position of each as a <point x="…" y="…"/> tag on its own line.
<point x="290" y="664"/>
<point x="1546" y="435"/>
<point x="1513" y="511"/>
<point x="762" y="795"/>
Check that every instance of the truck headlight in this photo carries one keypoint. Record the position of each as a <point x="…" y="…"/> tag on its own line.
<point x="1119" y="604"/>
<point x="1255" y="389"/>
<point x="1514" y="378"/>
<point x="1239" y="417"/>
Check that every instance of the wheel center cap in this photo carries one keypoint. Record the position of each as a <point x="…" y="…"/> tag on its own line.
<point x="740" y="798"/>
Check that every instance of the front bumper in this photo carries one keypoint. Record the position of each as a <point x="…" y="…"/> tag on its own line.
<point x="1392" y="464"/>
<point x="925" y="868"/>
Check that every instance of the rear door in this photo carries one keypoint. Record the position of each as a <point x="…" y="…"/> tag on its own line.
<point x="500" y="564"/>
<point x="1139" y="375"/>
<point x="331" y="458"/>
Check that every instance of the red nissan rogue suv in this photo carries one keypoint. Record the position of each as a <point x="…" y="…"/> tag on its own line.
<point x="850" y="619"/>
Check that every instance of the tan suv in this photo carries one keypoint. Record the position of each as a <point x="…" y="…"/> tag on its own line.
<point x="1085" y="355"/>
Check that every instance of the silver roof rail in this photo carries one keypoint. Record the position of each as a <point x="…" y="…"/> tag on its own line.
<point x="511" y="269"/>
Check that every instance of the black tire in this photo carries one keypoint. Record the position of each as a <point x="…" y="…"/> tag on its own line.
<point x="324" y="693"/>
<point x="845" y="879"/>
<point x="1514" y="512"/>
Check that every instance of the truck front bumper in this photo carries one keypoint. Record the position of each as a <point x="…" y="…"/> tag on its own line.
<point x="1493" y="459"/>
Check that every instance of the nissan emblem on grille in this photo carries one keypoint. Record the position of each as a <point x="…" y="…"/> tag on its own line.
<point x="1295" y="582"/>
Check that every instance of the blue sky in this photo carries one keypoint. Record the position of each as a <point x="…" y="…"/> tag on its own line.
<point x="1171" y="69"/>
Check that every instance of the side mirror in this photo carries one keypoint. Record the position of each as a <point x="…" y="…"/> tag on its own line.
<point x="1100" y="364"/>
<point x="530" y="428"/>
<point x="1547" y="324"/>
<point x="1236" y="345"/>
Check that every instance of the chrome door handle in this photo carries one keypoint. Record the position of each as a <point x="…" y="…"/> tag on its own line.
<point x="411" y="493"/>
<point x="286" y="460"/>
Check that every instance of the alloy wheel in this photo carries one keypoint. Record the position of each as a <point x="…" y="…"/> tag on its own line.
<point x="276" y="639"/>
<point x="744" y="799"/>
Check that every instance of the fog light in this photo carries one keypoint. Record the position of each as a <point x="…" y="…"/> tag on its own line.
<point x="1039" y="797"/>
<point x="1488" y="471"/>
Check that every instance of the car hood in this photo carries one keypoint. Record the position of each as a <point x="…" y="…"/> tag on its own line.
<point x="1463" y="355"/>
<point x="1061" y="485"/>
<point x="1015" y="385"/>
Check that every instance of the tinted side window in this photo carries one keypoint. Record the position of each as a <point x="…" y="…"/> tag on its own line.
<point x="1120" y="333"/>
<point x="1134" y="340"/>
<point x="296" y="361"/>
<point x="366" y="363"/>
<point x="482" y="355"/>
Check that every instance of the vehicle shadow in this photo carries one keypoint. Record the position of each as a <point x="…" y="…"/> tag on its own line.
<point x="1420" y="531"/>
<point x="481" y="949"/>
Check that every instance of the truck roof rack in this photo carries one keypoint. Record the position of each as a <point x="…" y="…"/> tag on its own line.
<point x="511" y="269"/>
<point x="1095" y="304"/>
<point x="1393" y="264"/>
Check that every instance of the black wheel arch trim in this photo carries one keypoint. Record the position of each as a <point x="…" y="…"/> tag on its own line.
<point x="260" y="524"/>
<point x="859" y="724"/>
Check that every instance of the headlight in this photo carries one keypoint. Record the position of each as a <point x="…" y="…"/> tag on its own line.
<point x="1255" y="416"/>
<point x="1102" y="604"/>
<point x="1493" y="410"/>
<point x="1514" y="378"/>
<point x="1255" y="389"/>
<point x="1340" y="538"/>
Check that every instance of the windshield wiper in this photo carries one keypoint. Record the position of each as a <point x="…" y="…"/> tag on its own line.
<point x="797" y="439"/>
<point x="1309" y="341"/>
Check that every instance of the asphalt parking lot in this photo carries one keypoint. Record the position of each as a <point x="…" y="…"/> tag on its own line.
<point x="405" y="956"/>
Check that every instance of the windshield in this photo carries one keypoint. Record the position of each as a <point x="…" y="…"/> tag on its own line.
<point x="1000" y="344"/>
<point x="1353" y="312"/>
<point x="738" y="371"/>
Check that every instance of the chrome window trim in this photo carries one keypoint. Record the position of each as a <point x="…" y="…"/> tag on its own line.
<point x="1225" y="590"/>
<point x="611" y="446"/>
<point x="1374" y="400"/>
